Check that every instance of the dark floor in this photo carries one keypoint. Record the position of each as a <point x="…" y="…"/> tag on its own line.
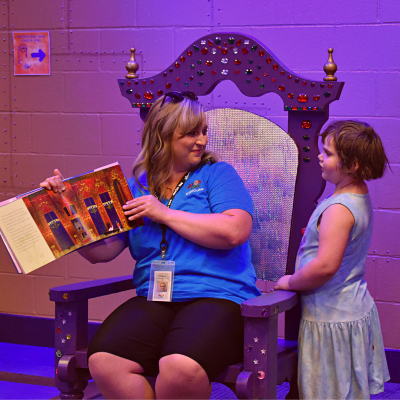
<point x="27" y="372"/>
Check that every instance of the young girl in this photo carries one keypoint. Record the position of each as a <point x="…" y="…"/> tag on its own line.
<point x="341" y="353"/>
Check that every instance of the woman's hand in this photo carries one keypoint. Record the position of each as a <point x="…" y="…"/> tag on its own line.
<point x="54" y="183"/>
<point x="283" y="283"/>
<point x="146" y="206"/>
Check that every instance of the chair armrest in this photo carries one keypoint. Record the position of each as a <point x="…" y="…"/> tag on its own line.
<point x="89" y="289"/>
<point x="270" y="304"/>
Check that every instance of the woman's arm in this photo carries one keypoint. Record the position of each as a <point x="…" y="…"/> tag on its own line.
<point x="334" y="232"/>
<point x="216" y="231"/>
<point x="102" y="251"/>
<point x="105" y="250"/>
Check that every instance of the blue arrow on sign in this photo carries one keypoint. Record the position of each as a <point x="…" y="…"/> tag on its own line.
<point x="41" y="55"/>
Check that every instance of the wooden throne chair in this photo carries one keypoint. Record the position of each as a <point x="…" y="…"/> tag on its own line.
<point x="282" y="174"/>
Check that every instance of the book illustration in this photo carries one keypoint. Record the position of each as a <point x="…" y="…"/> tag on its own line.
<point x="41" y="225"/>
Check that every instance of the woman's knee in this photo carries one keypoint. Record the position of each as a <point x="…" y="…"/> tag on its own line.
<point x="103" y="365"/>
<point x="181" y="368"/>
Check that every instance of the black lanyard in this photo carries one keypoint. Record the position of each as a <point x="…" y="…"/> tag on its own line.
<point x="164" y="243"/>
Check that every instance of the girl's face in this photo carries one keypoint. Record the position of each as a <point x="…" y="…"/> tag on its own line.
<point x="189" y="147"/>
<point x="330" y="162"/>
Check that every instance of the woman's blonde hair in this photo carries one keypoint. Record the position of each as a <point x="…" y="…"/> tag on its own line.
<point x="156" y="158"/>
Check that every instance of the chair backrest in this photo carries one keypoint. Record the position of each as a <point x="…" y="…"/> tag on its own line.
<point x="266" y="158"/>
<point x="280" y="169"/>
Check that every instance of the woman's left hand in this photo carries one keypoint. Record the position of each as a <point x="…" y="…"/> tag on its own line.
<point x="283" y="283"/>
<point x="146" y="206"/>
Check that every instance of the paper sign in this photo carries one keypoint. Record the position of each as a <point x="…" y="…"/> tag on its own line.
<point x="31" y="53"/>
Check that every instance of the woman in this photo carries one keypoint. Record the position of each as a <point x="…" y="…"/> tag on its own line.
<point x="198" y="217"/>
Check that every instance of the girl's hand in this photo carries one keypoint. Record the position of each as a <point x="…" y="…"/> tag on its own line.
<point x="54" y="183"/>
<point x="146" y="206"/>
<point x="283" y="283"/>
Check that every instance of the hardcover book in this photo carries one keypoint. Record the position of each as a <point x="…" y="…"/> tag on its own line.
<point x="40" y="226"/>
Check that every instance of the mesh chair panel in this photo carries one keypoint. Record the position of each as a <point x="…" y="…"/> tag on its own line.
<point x="266" y="158"/>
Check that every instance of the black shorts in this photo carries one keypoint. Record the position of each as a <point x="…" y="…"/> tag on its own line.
<point x="209" y="331"/>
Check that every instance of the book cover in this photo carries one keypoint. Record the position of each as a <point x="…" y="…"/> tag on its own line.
<point x="40" y="226"/>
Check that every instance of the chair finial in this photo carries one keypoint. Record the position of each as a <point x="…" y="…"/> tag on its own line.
<point x="330" y="68"/>
<point x="132" y="66"/>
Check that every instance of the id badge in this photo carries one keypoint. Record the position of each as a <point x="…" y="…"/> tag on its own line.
<point x="161" y="280"/>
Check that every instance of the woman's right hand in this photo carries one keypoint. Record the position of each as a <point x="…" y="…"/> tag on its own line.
<point x="54" y="182"/>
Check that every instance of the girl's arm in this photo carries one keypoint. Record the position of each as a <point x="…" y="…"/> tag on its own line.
<point x="216" y="231"/>
<point x="334" y="232"/>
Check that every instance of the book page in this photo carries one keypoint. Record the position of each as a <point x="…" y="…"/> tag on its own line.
<point x="24" y="237"/>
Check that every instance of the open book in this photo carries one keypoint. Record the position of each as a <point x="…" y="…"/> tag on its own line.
<point x="40" y="226"/>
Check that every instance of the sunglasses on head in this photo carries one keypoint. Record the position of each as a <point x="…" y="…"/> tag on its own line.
<point x="177" y="97"/>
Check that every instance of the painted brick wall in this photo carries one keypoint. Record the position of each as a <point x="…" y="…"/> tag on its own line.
<point x="76" y="120"/>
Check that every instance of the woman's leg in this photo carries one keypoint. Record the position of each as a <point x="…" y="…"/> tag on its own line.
<point x="181" y="377"/>
<point x="205" y="337"/>
<point x="118" y="378"/>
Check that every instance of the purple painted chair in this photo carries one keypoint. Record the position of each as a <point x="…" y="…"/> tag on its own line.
<point x="282" y="174"/>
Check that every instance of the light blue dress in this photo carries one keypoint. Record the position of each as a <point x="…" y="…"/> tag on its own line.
<point x="341" y="352"/>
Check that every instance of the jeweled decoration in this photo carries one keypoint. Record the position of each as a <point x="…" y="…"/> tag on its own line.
<point x="58" y="330"/>
<point x="239" y="42"/>
<point x="306" y="124"/>
<point x="224" y="51"/>
<point x="160" y="92"/>
<point x="237" y="62"/>
<point x="65" y="296"/>
<point x="316" y="97"/>
<point x="59" y="353"/>
<point x="248" y="72"/>
<point x="149" y="95"/>
<point x="224" y="72"/>
<point x="129" y="91"/>
<point x="253" y="48"/>
<point x="235" y="50"/>
<point x="255" y="362"/>
<point x="182" y="58"/>
<point x="281" y="87"/>
<point x="189" y="52"/>
<point x="217" y="40"/>
<point x="231" y="40"/>
<point x="224" y="61"/>
<point x="268" y="60"/>
<point x="327" y="94"/>
<point x="290" y="95"/>
<point x="200" y="73"/>
<point x="168" y="85"/>
<point x="177" y="65"/>
<point x="246" y="42"/>
<point x="214" y="51"/>
<point x="261" y="53"/>
<point x="204" y="50"/>
<point x="208" y="62"/>
<point x="302" y="98"/>
<point x="245" y="50"/>
<point x="275" y="66"/>
<point x="213" y="72"/>
<point x="137" y="95"/>
<point x="210" y="42"/>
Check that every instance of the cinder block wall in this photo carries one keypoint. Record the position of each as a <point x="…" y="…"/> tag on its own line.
<point x="75" y="119"/>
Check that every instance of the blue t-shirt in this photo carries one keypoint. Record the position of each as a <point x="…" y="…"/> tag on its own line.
<point x="199" y="271"/>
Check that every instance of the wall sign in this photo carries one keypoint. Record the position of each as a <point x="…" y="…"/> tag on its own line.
<point x="31" y="53"/>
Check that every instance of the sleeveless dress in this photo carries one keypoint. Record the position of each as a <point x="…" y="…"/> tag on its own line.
<point x="341" y="352"/>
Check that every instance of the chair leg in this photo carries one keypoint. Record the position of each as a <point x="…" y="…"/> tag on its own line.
<point x="71" y="390"/>
<point x="71" y="334"/>
<point x="294" y="389"/>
